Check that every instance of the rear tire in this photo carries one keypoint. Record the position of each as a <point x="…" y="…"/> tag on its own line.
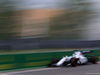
<point x="94" y="59"/>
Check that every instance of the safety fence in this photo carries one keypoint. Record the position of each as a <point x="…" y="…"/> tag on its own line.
<point x="43" y="43"/>
<point x="32" y="60"/>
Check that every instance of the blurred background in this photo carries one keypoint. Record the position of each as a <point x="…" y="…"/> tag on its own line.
<point x="50" y="20"/>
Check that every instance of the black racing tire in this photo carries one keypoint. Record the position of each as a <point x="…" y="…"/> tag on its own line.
<point x="53" y="62"/>
<point x="73" y="62"/>
<point x="94" y="59"/>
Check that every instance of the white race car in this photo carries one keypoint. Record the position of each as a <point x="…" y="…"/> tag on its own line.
<point x="78" y="58"/>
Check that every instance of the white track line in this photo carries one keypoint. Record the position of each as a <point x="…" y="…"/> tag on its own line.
<point x="42" y="69"/>
<point x="25" y="71"/>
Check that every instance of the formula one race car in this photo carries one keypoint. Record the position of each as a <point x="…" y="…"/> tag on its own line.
<point x="78" y="58"/>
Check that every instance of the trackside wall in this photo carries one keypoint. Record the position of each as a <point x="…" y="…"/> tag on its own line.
<point x="32" y="60"/>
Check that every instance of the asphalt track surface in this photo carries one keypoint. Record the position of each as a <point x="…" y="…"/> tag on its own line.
<point x="90" y="69"/>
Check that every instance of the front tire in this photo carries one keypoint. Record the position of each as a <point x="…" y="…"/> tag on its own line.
<point x="73" y="62"/>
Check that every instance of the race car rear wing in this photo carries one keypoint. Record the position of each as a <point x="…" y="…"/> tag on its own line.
<point x="84" y="52"/>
